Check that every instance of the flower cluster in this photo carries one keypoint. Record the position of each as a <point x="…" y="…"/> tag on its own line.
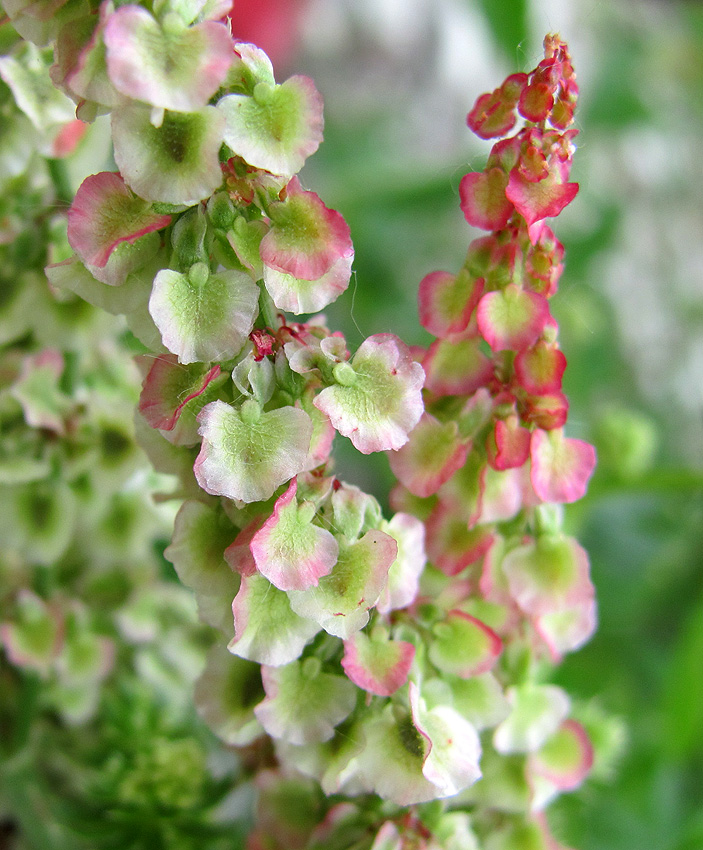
<point x="385" y="664"/>
<point x="202" y="240"/>
<point x="505" y="593"/>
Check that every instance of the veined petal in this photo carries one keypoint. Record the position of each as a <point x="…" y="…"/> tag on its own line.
<point x="306" y="238"/>
<point x="246" y="453"/>
<point x="276" y="128"/>
<point x="290" y="550"/>
<point x="174" y="163"/>
<point x="266" y="630"/>
<point x="378" y="398"/>
<point x="561" y="466"/>
<point x="105" y="213"/>
<point x="201" y="316"/>
<point x="341" y="601"/>
<point x="169" y="64"/>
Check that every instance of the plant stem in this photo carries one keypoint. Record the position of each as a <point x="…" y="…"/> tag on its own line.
<point x="59" y="177"/>
<point x="268" y="313"/>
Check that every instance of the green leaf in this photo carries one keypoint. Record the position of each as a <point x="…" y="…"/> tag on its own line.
<point x="683" y="708"/>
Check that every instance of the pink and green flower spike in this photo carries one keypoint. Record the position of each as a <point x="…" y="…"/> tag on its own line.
<point x="375" y="400"/>
<point x="247" y="453"/>
<point x="166" y="64"/>
<point x="365" y="654"/>
<point x="204" y="316"/>
<point x="290" y="550"/>
<point x="304" y="704"/>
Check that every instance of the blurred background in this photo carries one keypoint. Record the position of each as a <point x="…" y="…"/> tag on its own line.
<point x="398" y="77"/>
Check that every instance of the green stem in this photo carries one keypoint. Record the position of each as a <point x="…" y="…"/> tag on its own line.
<point x="59" y="177"/>
<point x="267" y="309"/>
